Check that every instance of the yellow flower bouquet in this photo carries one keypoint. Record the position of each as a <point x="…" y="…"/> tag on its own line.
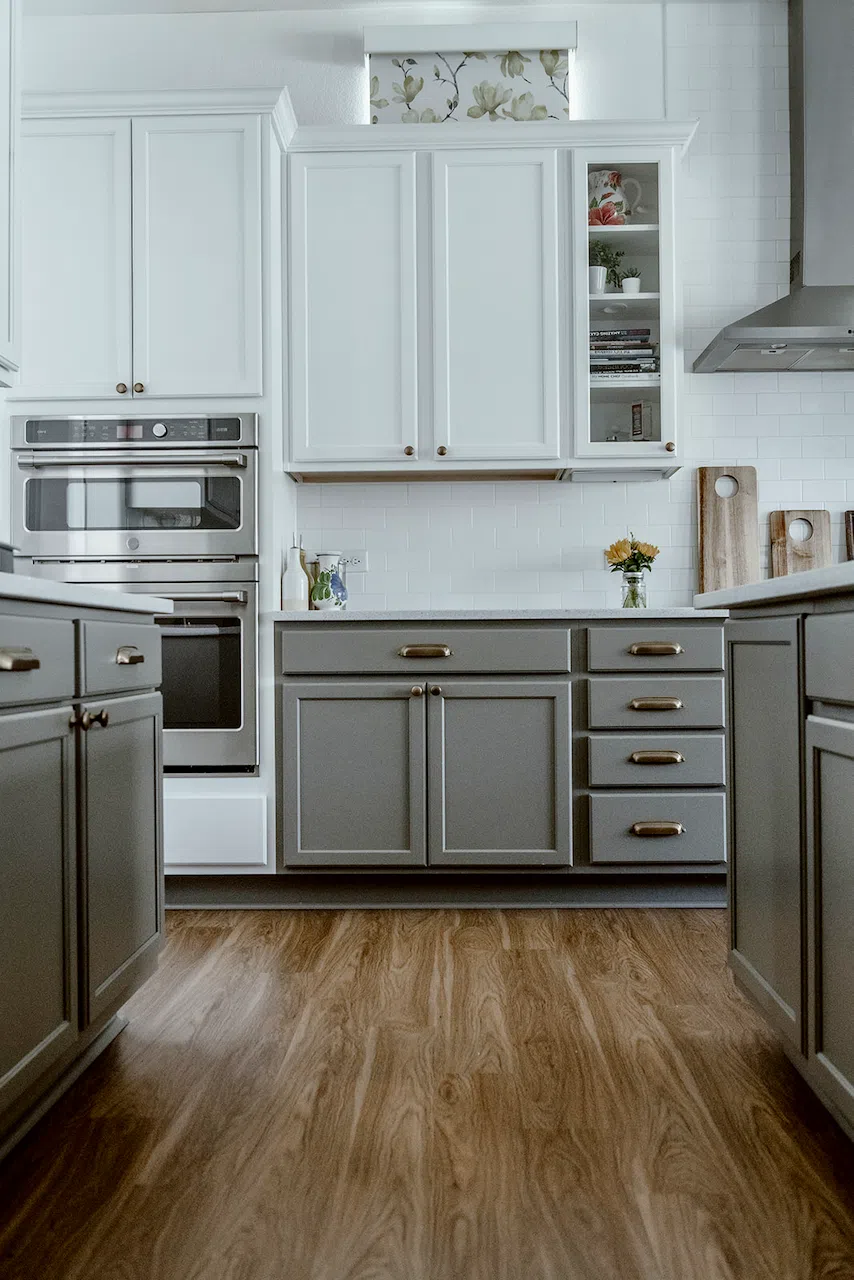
<point x="630" y="557"/>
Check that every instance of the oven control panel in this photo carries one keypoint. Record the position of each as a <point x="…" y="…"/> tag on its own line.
<point x="136" y="431"/>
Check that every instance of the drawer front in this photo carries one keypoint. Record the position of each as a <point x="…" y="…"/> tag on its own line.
<point x="619" y="819"/>
<point x="830" y="657"/>
<point x="647" y="702"/>
<point x="656" y="760"/>
<point x="350" y="649"/>
<point x="655" y="648"/>
<point x="119" y="656"/>
<point x="27" y="641"/>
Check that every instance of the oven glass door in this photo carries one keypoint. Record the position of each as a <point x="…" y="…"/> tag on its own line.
<point x="103" y="509"/>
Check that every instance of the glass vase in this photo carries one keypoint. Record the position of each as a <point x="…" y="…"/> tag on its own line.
<point x="634" y="591"/>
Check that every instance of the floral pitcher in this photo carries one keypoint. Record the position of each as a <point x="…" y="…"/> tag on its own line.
<point x="608" y="203"/>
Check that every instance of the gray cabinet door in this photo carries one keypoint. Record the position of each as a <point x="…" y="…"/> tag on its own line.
<point x="765" y="716"/>
<point x="830" y="830"/>
<point x="38" y="906"/>
<point x="499" y="780"/>
<point x="121" y="825"/>
<point x="353" y="773"/>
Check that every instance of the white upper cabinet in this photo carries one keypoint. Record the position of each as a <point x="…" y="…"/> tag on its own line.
<point x="142" y="257"/>
<point x="9" y="223"/>
<point x="354" y="394"/>
<point x="76" y="183"/>
<point x="496" y="348"/>
<point x="197" y="256"/>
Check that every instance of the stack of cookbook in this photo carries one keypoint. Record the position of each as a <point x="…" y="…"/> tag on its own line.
<point x="623" y="355"/>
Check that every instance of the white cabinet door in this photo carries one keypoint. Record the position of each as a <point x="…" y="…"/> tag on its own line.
<point x="197" y="293"/>
<point x="76" y="290"/>
<point x="9" y="251"/>
<point x="353" y="300"/>
<point x="495" y="298"/>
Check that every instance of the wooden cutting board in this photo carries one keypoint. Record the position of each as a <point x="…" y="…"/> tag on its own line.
<point x="849" y="535"/>
<point x="791" y="556"/>
<point x="729" y="529"/>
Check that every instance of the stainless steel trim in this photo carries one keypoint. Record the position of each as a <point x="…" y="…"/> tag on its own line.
<point x="248" y="430"/>
<point x="117" y="458"/>
<point x="231" y="597"/>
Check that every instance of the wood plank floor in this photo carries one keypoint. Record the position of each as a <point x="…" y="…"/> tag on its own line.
<point x="408" y="1095"/>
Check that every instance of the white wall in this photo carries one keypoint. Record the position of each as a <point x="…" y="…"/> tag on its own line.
<point x="519" y="544"/>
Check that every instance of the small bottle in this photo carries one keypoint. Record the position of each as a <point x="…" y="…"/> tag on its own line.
<point x="294" y="582"/>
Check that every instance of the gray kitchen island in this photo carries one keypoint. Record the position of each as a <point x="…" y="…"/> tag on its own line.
<point x="81" y="897"/>
<point x="790" y="714"/>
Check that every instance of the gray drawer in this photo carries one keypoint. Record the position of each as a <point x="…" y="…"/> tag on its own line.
<point x="25" y="640"/>
<point x="830" y="657"/>
<point x="627" y="647"/>
<point x="350" y="649"/>
<point x="629" y="760"/>
<point x="643" y="702"/>
<point x="119" y="656"/>
<point x="613" y="816"/>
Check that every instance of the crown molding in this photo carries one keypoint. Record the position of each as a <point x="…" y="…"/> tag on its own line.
<point x="577" y="133"/>
<point x="165" y="102"/>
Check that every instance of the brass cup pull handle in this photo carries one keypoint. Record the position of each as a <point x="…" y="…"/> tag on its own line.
<point x="417" y="691"/>
<point x="656" y="757"/>
<point x="656" y="704"/>
<point x="656" y="830"/>
<point x="127" y="655"/>
<point x="425" y="651"/>
<point x="18" y="660"/>
<point x="655" y="649"/>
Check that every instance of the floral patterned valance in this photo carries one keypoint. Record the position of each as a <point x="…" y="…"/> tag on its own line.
<point x="435" y="88"/>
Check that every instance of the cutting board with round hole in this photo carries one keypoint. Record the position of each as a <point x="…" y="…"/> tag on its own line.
<point x="728" y="526"/>
<point x="800" y="540"/>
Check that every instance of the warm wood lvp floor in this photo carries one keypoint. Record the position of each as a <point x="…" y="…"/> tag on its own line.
<point x="436" y="1095"/>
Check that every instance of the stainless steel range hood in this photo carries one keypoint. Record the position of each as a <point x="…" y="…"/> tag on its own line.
<point x="811" y="329"/>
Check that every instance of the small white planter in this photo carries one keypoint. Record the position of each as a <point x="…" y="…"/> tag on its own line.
<point x="598" y="279"/>
<point x="631" y="284"/>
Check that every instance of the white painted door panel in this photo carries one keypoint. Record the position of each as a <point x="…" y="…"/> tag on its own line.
<point x="353" y="300"/>
<point x="197" y="256"/>
<point x="9" y="279"/>
<point x="76" y="289"/>
<point x="496" y="315"/>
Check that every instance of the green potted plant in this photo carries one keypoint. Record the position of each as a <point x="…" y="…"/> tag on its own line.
<point x="604" y="264"/>
<point x="630" y="280"/>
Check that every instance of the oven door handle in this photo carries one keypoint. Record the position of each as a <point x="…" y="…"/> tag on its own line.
<point x="228" y="597"/>
<point x="34" y="461"/>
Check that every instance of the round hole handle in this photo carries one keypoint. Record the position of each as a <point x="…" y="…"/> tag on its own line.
<point x="409" y="451"/>
<point x="138" y="388"/>
<point x="122" y="388"/>
<point x="670" y="447"/>
<point x="442" y="450"/>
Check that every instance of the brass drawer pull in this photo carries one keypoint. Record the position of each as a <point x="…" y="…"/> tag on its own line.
<point x="128" y="655"/>
<point x="18" y="660"/>
<point x="425" y="651"/>
<point x="656" y="704"/>
<point x="656" y="757"/>
<point x="656" y="829"/>
<point x="655" y="649"/>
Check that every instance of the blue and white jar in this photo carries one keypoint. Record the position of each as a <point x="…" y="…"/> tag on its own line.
<point x="328" y="591"/>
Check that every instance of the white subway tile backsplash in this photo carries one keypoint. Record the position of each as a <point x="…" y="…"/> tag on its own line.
<point x="516" y="544"/>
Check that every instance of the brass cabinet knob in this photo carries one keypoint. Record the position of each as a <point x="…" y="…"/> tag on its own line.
<point x="417" y="691"/>
<point x="102" y="718"/>
<point x="138" y="388"/>
<point x="86" y="720"/>
<point x="670" y="447"/>
<point x="18" y="660"/>
<point x="122" y="388"/>
<point x="442" y="450"/>
<point x="436" y="690"/>
<point x="409" y="451"/>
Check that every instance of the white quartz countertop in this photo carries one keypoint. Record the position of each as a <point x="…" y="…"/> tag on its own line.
<point x="834" y="579"/>
<point x="487" y="615"/>
<point x="17" y="586"/>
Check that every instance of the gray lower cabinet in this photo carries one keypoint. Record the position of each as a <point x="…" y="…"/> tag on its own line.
<point x="830" y="862"/>
<point x="353" y="773"/>
<point x="120" y="824"/>
<point x="499" y="775"/>
<point x="765" y="716"/>
<point x="38" y="901"/>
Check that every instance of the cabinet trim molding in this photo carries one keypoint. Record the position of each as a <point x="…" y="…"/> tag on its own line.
<point x="578" y="133"/>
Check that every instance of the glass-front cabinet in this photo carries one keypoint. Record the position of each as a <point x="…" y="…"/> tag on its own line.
<point x="628" y="352"/>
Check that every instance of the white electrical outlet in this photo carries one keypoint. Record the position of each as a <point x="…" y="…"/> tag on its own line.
<point x="357" y="561"/>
